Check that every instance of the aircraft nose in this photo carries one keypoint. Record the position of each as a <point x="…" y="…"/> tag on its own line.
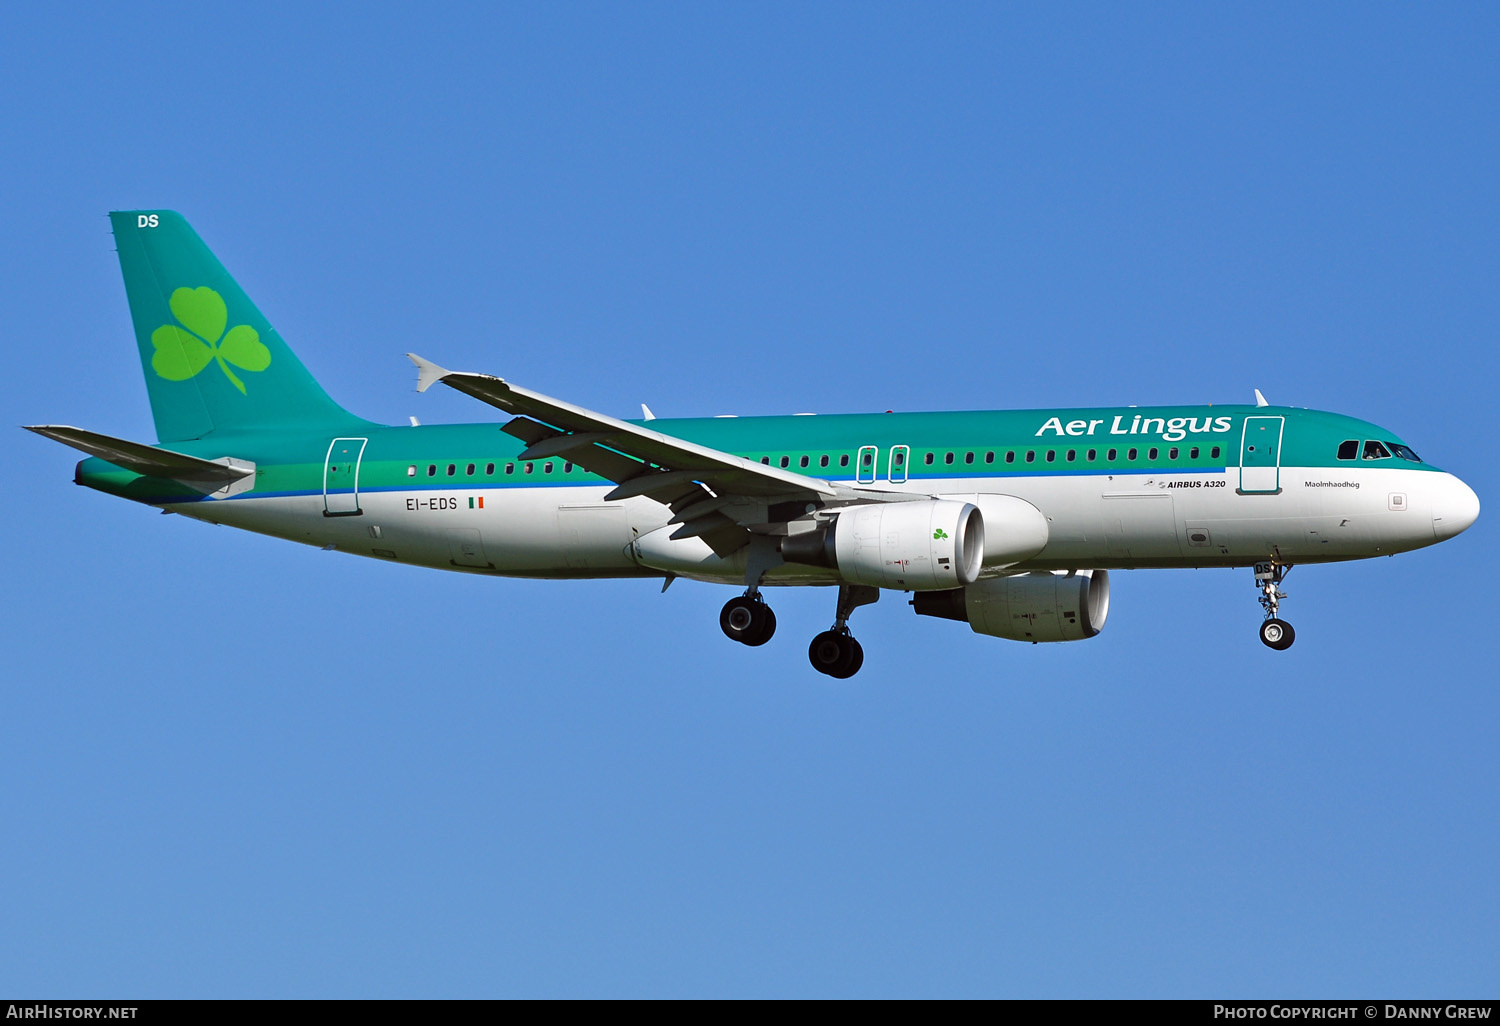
<point x="1454" y="507"/>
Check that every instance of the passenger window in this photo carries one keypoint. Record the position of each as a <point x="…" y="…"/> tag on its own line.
<point x="1193" y="453"/>
<point x="868" y="459"/>
<point x="1092" y="455"/>
<point x="1349" y="450"/>
<point x="786" y="461"/>
<point x="766" y="460"/>
<point x="989" y="457"/>
<point x="1375" y="451"/>
<point x="968" y="457"/>
<point x="1405" y="453"/>
<point x="1010" y="457"/>
<point x="927" y="459"/>
<point x="432" y="470"/>
<point x="802" y="462"/>
<point x="1214" y="453"/>
<point x="1130" y="455"/>
<point x="510" y="468"/>
<point x="1152" y="454"/>
<point x="1172" y="453"/>
<point x="489" y="470"/>
<point x="844" y="460"/>
<point x="567" y="468"/>
<point x="470" y="471"/>
<point x="1030" y="455"/>
<point x="1051" y="455"/>
<point x="948" y="458"/>
<point x="823" y="461"/>
<point x="411" y="471"/>
<point x="452" y="469"/>
<point x="898" y="457"/>
<point x="547" y="467"/>
<point x="528" y="468"/>
<point x="1112" y="454"/>
<point x="1072" y="455"/>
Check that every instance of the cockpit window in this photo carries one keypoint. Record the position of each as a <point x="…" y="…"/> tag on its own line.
<point x="1349" y="450"/>
<point x="1405" y="453"/>
<point x="1375" y="451"/>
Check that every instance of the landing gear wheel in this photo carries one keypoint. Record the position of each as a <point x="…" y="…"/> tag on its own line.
<point x="835" y="654"/>
<point x="856" y="660"/>
<point x="1277" y="634"/>
<point x="766" y="629"/>
<point x="747" y="620"/>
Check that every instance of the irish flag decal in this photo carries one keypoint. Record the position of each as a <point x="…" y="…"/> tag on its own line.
<point x="479" y="500"/>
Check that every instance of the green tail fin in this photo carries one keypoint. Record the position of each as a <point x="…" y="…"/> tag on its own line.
<point x="212" y="361"/>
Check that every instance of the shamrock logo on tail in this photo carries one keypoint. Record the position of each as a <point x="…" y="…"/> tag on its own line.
<point x="939" y="534"/>
<point x="183" y="351"/>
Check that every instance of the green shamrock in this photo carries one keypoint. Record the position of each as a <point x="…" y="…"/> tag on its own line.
<point x="182" y="352"/>
<point x="939" y="533"/>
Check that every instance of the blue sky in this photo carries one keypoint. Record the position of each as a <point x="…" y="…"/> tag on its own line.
<point x="237" y="767"/>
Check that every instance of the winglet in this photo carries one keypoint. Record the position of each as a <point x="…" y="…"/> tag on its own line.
<point x="1260" y="400"/>
<point x="428" y="373"/>
<point x="646" y="413"/>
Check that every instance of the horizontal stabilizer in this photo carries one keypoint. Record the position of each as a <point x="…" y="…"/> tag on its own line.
<point x="207" y="476"/>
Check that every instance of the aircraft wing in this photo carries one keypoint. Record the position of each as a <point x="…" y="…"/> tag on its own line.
<point x="714" y="495"/>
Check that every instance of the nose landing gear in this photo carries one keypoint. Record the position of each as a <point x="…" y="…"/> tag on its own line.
<point x="1274" y="632"/>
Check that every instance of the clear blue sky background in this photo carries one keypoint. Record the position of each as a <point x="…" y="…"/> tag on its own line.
<point x="235" y="766"/>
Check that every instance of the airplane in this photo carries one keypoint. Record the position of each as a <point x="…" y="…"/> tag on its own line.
<point x="1009" y="520"/>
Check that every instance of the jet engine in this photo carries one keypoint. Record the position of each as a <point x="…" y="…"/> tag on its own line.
<point x="914" y="546"/>
<point x="1027" y="607"/>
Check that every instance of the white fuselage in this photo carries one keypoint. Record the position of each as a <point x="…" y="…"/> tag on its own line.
<point x="1196" y="519"/>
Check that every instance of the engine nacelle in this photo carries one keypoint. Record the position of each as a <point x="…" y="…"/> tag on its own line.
<point x="1027" y="607"/>
<point x="914" y="546"/>
<point x="1014" y="529"/>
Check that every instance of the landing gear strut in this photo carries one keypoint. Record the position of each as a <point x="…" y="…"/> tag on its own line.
<point x="1274" y="632"/>
<point x="835" y="652"/>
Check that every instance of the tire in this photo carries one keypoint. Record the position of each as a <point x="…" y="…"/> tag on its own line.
<point x="1277" y="634"/>
<point x="764" y="626"/>
<point x="832" y="653"/>
<point x="828" y="653"/>
<point x="748" y="621"/>
<point x="855" y="661"/>
<point x="738" y="619"/>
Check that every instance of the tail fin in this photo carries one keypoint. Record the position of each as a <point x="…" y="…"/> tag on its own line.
<point x="212" y="361"/>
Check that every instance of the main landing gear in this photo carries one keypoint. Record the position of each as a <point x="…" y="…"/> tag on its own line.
<point x="835" y="652"/>
<point x="748" y="620"/>
<point x="1274" y="632"/>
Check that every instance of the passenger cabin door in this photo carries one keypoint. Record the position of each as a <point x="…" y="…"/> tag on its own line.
<point x="864" y="469"/>
<point x="341" y="477"/>
<point x="1260" y="455"/>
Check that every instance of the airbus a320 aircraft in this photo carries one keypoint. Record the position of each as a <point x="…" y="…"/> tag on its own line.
<point x="1009" y="521"/>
